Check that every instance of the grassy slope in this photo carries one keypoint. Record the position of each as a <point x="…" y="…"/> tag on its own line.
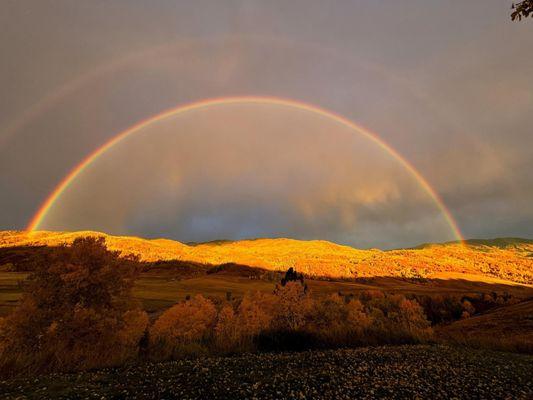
<point x="491" y="261"/>
<point x="501" y="327"/>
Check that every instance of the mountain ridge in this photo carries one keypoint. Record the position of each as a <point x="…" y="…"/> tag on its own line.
<point x="501" y="258"/>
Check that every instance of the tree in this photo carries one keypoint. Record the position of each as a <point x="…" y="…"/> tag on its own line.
<point x="77" y="312"/>
<point x="329" y="315"/>
<point x="183" y="329"/>
<point x="357" y="319"/>
<point x="293" y="305"/>
<point x="522" y="9"/>
<point x="292" y="276"/>
<point x="412" y="318"/>
<point x="226" y="329"/>
<point x="254" y="314"/>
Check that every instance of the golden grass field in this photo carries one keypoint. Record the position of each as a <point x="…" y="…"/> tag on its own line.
<point x="158" y="291"/>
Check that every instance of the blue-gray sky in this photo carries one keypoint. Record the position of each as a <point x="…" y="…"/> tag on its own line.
<point x="447" y="84"/>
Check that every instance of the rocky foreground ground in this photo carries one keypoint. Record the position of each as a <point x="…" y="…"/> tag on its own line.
<point x="429" y="372"/>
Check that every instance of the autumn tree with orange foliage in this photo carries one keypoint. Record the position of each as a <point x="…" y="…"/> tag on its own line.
<point x="76" y="313"/>
<point x="339" y="321"/>
<point x="227" y="332"/>
<point x="238" y="325"/>
<point x="184" y="329"/>
<point x="396" y="319"/>
<point x="293" y="305"/>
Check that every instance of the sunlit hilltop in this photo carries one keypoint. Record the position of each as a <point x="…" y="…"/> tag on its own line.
<point x="501" y="259"/>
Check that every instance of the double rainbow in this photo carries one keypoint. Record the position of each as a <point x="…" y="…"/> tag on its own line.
<point x="71" y="176"/>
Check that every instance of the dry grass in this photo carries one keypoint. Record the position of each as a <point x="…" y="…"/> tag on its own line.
<point x="158" y="291"/>
<point x="508" y="328"/>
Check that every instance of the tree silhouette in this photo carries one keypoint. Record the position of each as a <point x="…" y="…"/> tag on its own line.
<point x="292" y="276"/>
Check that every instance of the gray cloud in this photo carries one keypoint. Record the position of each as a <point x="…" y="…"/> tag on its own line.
<point x="449" y="86"/>
<point x="250" y="170"/>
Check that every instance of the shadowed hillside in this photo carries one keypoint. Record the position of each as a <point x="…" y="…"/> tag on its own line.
<point x="507" y="328"/>
<point x="491" y="261"/>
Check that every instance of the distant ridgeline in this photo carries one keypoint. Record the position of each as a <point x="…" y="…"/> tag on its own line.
<point x="509" y="259"/>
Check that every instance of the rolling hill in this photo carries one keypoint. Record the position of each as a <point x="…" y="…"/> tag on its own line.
<point x="508" y="328"/>
<point x="493" y="261"/>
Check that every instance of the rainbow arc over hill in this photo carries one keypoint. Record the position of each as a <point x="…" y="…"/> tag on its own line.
<point x="41" y="213"/>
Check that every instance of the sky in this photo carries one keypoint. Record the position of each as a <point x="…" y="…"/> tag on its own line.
<point x="446" y="84"/>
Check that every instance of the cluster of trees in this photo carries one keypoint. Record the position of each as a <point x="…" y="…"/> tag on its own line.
<point x="78" y="313"/>
<point x="288" y="319"/>
<point x="448" y="308"/>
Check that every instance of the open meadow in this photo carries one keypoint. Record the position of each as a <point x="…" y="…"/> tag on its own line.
<point x="158" y="291"/>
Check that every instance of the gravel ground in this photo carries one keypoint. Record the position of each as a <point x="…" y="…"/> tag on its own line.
<point x="427" y="372"/>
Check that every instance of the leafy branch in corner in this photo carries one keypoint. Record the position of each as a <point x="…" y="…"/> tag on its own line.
<point x="522" y="9"/>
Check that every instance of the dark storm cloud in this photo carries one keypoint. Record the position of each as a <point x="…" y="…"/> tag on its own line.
<point x="449" y="85"/>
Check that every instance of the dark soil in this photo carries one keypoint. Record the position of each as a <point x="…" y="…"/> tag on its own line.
<point x="422" y="371"/>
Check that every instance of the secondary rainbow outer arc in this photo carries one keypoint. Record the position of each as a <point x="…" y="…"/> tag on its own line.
<point x="71" y="176"/>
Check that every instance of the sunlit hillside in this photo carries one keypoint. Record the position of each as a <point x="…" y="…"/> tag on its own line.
<point x="491" y="261"/>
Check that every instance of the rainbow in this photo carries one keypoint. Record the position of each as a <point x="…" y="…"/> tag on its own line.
<point x="37" y="219"/>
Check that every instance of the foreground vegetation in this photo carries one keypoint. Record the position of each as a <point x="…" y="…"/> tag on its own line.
<point x="79" y="311"/>
<point x="401" y="372"/>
